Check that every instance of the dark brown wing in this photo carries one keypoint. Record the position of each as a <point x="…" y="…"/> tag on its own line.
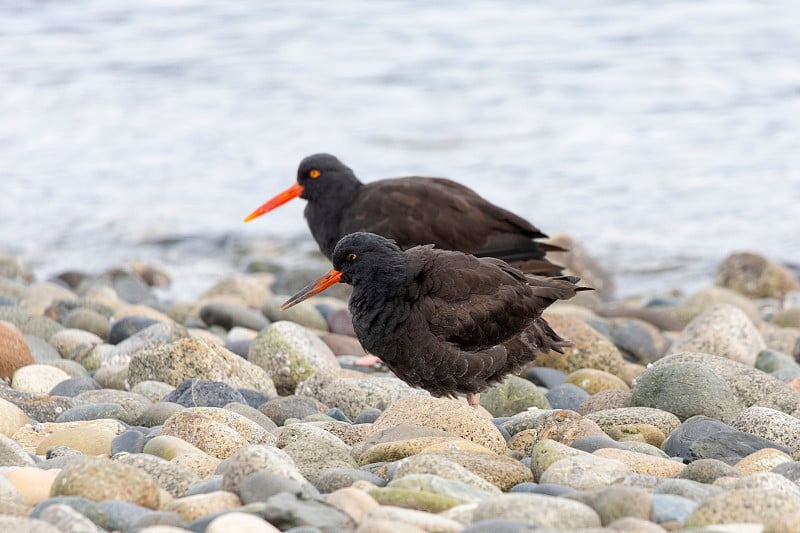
<point x="473" y="303"/>
<point x="418" y="210"/>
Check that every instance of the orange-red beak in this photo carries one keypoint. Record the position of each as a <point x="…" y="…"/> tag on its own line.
<point x="315" y="287"/>
<point x="292" y="192"/>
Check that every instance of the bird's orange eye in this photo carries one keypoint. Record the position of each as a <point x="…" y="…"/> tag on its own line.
<point x="352" y="257"/>
<point x="313" y="173"/>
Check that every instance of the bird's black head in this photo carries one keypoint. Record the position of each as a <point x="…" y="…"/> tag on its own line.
<point x="365" y="257"/>
<point x="321" y="174"/>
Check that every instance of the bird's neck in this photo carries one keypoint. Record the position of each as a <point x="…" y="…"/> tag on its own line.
<point x="379" y="307"/>
<point x="324" y="214"/>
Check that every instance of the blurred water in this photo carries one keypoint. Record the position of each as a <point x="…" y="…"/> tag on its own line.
<point x="661" y="135"/>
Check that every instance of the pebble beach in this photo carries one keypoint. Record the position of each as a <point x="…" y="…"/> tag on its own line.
<point x="124" y="411"/>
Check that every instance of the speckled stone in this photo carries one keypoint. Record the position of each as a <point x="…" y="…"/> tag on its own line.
<point x="743" y="506"/>
<point x="413" y="499"/>
<point x="687" y="488"/>
<point x="155" y="391"/>
<point x="355" y="394"/>
<point x="194" y="358"/>
<point x="314" y="450"/>
<point x="584" y="472"/>
<point x="290" y="354"/>
<point x="11" y="418"/>
<point x="770" y="424"/>
<point x="589" y="349"/>
<point x="134" y="405"/>
<point x="448" y="415"/>
<point x="499" y="470"/>
<point x="761" y="480"/>
<point x="710" y="296"/>
<point x="20" y="524"/>
<point x="722" y="330"/>
<point x="171" y="477"/>
<point x="88" y="320"/>
<point x="640" y="463"/>
<point x="410" y="518"/>
<point x="397" y="442"/>
<point x="707" y="471"/>
<point x="540" y="510"/>
<point x="259" y="458"/>
<point x="71" y="342"/>
<point x="102" y="479"/>
<point x="190" y="508"/>
<point x="442" y="468"/>
<point x="610" y="418"/>
<point x="199" y="426"/>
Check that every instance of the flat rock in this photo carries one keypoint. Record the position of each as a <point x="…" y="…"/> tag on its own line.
<point x="101" y="479"/>
<point x="770" y="424"/>
<point x="448" y="415"/>
<point x="539" y="510"/>
<point x="286" y="511"/>
<point x="195" y="358"/>
<point x="410" y="518"/>
<point x="290" y="354"/>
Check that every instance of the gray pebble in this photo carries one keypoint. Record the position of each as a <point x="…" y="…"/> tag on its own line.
<point x="545" y="377"/>
<point x="73" y="386"/>
<point x="93" y="411"/>
<point x="368" y="416"/>
<point x="567" y="396"/>
<point x="204" y="393"/>
<point x="671" y="508"/>
<point x="228" y="315"/>
<point x="206" y="486"/>
<point x="335" y="478"/>
<point x="130" y="441"/>
<point x="130" y="325"/>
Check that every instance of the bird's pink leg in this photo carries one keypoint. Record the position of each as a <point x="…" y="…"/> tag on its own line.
<point x="474" y="399"/>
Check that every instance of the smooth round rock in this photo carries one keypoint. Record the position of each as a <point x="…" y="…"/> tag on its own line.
<point x="203" y="393"/>
<point x="282" y="408"/>
<point x="88" y="320"/>
<point x="73" y="386"/>
<point x="42" y="351"/>
<point x="125" y="327"/>
<point x="567" y="396"/>
<point x="228" y="315"/>
<point x="613" y="503"/>
<point x="243" y="522"/>
<point x="744" y="506"/>
<point x="770" y="424"/>
<point x="251" y="459"/>
<point x="584" y="472"/>
<point x="92" y="411"/>
<point x="588" y="348"/>
<point x="130" y="441"/>
<point x="755" y="276"/>
<point x="685" y="390"/>
<point x="261" y="486"/>
<point x="548" y="378"/>
<point x="593" y="381"/>
<point x="335" y="478"/>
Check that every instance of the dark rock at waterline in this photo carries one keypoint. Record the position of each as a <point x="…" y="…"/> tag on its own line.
<point x="228" y="315"/>
<point x="125" y="327"/>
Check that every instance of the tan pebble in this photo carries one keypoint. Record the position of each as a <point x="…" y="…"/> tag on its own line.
<point x="32" y="483"/>
<point x="387" y="526"/>
<point x="762" y="460"/>
<point x="565" y="426"/>
<point x="647" y="433"/>
<point x="640" y="463"/>
<point x="794" y="384"/>
<point x="14" y="351"/>
<point x="594" y="381"/>
<point x="237" y="522"/>
<point x="89" y="441"/>
<point x="11" y="418"/>
<point x="363" y="485"/>
<point x="631" y="371"/>
<point x="201" y="464"/>
<point x="457" y="444"/>
<point x="191" y="508"/>
<point x="29" y="437"/>
<point x="352" y="501"/>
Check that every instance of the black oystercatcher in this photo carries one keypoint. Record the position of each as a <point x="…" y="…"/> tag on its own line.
<point x="441" y="320"/>
<point x="411" y="211"/>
